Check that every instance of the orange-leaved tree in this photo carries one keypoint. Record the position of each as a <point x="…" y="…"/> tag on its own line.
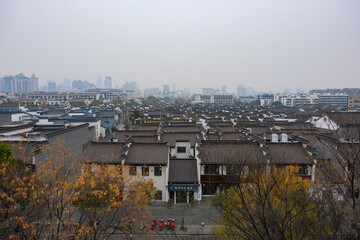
<point x="66" y="198"/>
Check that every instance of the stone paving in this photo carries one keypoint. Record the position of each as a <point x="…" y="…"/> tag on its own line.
<point x="192" y="215"/>
<point x="199" y="221"/>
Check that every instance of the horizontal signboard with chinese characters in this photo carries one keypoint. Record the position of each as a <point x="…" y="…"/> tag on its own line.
<point x="183" y="187"/>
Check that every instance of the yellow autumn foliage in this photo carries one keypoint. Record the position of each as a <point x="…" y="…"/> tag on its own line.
<point x="62" y="189"/>
<point x="273" y="204"/>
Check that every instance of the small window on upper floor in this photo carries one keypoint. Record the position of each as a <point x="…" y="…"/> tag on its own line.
<point x="181" y="149"/>
<point x="157" y="171"/>
<point x="145" y="171"/>
<point x="212" y="169"/>
<point x="303" y="170"/>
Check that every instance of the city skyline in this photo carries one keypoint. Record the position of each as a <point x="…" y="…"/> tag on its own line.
<point x="68" y="85"/>
<point x="269" y="46"/>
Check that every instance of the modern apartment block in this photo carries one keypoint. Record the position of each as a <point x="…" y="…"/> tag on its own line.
<point x="19" y="84"/>
<point x="107" y="82"/>
<point x="334" y="100"/>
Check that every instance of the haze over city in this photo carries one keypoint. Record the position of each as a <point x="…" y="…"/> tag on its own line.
<point x="268" y="45"/>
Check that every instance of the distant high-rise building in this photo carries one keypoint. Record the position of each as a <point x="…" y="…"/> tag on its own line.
<point x="250" y="91"/>
<point x="107" y="82"/>
<point x="166" y="88"/>
<point x="223" y="89"/>
<point x="7" y="84"/>
<point x="19" y="84"/>
<point x="207" y="91"/>
<point x="174" y="87"/>
<point x="67" y="85"/>
<point x="186" y="91"/>
<point x="152" y="91"/>
<point x="51" y="86"/>
<point x="129" y="86"/>
<point x="35" y="83"/>
<point x="82" y="86"/>
<point x="210" y="91"/>
<point x="99" y="82"/>
<point x="241" y="90"/>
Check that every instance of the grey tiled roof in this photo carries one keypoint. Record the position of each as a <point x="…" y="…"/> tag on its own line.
<point x="144" y="139"/>
<point x="194" y="128"/>
<point x="148" y="154"/>
<point x="183" y="171"/>
<point x="123" y="135"/>
<point x="104" y="152"/>
<point x="233" y="136"/>
<point x="171" y="138"/>
<point x="231" y="152"/>
<point x="288" y="154"/>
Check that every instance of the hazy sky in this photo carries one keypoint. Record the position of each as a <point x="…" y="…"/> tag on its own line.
<point x="266" y="44"/>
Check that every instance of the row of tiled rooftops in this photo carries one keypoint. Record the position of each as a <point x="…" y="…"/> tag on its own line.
<point x="219" y="140"/>
<point x="209" y="152"/>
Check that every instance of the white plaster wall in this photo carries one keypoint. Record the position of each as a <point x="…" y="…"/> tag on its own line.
<point x="15" y="132"/>
<point x="45" y="121"/>
<point x="159" y="181"/>
<point x="198" y="194"/>
<point x="17" y="117"/>
<point x="187" y="152"/>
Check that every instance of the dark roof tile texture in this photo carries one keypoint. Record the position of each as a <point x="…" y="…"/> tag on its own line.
<point x="148" y="154"/>
<point x="231" y="153"/>
<point x="183" y="171"/>
<point x="288" y="154"/>
<point x="123" y="135"/>
<point x="144" y="139"/>
<point x="171" y="138"/>
<point x="194" y="128"/>
<point x="233" y="136"/>
<point x="104" y="152"/>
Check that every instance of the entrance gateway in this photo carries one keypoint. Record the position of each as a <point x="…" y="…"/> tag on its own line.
<point x="182" y="193"/>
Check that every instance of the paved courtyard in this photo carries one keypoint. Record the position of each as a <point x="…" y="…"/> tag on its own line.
<point x="192" y="215"/>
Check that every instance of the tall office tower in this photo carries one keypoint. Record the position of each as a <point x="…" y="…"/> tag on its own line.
<point x="166" y="88"/>
<point x="67" y="85"/>
<point x="174" y="87"/>
<point x="7" y="84"/>
<point x="223" y="89"/>
<point x="129" y="85"/>
<point x="186" y="91"/>
<point x="241" y="90"/>
<point x="99" y="82"/>
<point x="207" y="91"/>
<point x="19" y="84"/>
<point x="34" y="83"/>
<point x="107" y="82"/>
<point x="51" y="86"/>
<point x="2" y="85"/>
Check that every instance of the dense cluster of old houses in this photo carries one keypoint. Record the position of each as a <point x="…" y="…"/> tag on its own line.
<point x="191" y="152"/>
